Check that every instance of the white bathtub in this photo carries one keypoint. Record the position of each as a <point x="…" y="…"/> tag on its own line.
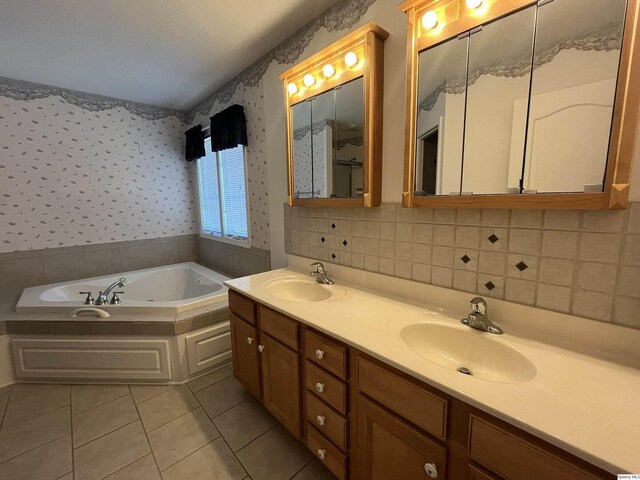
<point x="166" y="290"/>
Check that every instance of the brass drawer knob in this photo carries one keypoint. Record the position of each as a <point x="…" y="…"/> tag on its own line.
<point x="320" y="420"/>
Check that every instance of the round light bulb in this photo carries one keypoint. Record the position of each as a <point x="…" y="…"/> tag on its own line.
<point x="351" y="59"/>
<point x="308" y="80"/>
<point x="474" y="3"/>
<point x="292" y="88"/>
<point x="430" y="20"/>
<point x="328" y="70"/>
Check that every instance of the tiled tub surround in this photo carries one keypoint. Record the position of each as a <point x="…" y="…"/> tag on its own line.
<point x="208" y="428"/>
<point x="232" y="260"/>
<point x="28" y="268"/>
<point x="583" y="263"/>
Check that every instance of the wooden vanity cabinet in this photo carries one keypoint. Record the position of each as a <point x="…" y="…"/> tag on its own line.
<point x="266" y="359"/>
<point x="244" y="352"/>
<point x="366" y="420"/>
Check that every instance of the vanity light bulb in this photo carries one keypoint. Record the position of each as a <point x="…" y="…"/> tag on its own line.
<point x="474" y="3"/>
<point x="292" y="88"/>
<point x="430" y="20"/>
<point x="308" y="80"/>
<point x="328" y="71"/>
<point x="351" y="59"/>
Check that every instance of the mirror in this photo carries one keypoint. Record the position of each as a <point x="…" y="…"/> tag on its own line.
<point x="440" y="119"/>
<point x="328" y="144"/>
<point x="302" y="155"/>
<point x="519" y="99"/>
<point x="334" y="123"/>
<point x="348" y="180"/>
<point x="499" y="71"/>
<point x="573" y="90"/>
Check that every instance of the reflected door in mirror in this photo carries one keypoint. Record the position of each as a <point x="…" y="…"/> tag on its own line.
<point x="348" y="180"/>
<point x="573" y="88"/>
<point x="440" y="118"/>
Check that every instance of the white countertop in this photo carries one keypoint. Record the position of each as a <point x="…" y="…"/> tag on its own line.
<point x="582" y="404"/>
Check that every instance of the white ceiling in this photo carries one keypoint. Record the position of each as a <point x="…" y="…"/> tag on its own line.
<point x="170" y="53"/>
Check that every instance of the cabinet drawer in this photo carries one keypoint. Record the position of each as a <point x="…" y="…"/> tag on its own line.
<point x="326" y="353"/>
<point x="514" y="457"/>
<point x="242" y="307"/>
<point x="331" y="424"/>
<point x="279" y="327"/>
<point x="328" y="454"/>
<point x="330" y="389"/>
<point x="417" y="405"/>
<point x="475" y="473"/>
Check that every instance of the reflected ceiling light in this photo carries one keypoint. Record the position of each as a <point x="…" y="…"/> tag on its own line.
<point x="292" y="88"/>
<point x="308" y="80"/>
<point x="351" y="59"/>
<point x="328" y="70"/>
<point x="474" y="3"/>
<point x="430" y="20"/>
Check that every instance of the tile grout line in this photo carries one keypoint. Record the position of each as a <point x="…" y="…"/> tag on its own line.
<point x="6" y="408"/>
<point x="73" y="450"/>
<point x="155" y="460"/>
<point x="41" y="445"/>
<point x="107" y="433"/>
<point x="102" y="404"/>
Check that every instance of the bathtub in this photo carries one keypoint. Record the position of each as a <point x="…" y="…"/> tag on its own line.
<point x="166" y="290"/>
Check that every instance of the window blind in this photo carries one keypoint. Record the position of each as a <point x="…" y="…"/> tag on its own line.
<point x="234" y="196"/>
<point x="209" y="193"/>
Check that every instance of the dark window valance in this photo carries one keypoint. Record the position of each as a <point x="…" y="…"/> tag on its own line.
<point x="195" y="143"/>
<point x="228" y="128"/>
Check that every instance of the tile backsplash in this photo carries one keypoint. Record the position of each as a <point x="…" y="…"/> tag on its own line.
<point x="583" y="263"/>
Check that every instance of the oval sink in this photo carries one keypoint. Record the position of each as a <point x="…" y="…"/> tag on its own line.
<point x="301" y="290"/>
<point x="469" y="352"/>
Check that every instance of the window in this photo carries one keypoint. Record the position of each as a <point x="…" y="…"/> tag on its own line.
<point x="222" y="195"/>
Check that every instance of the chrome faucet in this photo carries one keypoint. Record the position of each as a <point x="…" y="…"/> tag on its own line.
<point x="479" y="319"/>
<point x="320" y="274"/>
<point x="103" y="297"/>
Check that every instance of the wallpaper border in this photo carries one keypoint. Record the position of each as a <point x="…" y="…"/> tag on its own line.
<point x="27" y="91"/>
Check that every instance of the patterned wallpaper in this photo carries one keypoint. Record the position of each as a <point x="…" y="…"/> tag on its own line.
<point x="77" y="168"/>
<point x="71" y="176"/>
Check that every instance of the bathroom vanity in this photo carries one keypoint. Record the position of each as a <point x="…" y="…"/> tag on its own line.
<point x="370" y="404"/>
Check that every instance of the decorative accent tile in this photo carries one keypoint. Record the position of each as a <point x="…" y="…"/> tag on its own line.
<point x="549" y="267"/>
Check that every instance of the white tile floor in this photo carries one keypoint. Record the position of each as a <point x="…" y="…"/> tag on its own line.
<point x="210" y="428"/>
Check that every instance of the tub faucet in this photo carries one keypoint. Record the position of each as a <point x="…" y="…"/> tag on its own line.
<point x="103" y="297"/>
<point x="479" y="319"/>
<point x="320" y="274"/>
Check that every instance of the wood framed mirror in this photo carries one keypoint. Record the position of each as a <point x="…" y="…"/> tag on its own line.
<point x="520" y="103"/>
<point x="333" y="102"/>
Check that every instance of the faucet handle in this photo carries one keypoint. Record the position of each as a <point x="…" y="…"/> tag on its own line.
<point x="115" y="300"/>
<point x="89" y="300"/>
<point x="479" y="305"/>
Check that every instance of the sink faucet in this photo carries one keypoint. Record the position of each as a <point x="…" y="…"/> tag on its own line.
<point x="320" y="274"/>
<point x="103" y="297"/>
<point x="479" y="319"/>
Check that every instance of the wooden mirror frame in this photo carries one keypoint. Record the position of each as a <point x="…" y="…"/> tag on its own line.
<point x="455" y="18"/>
<point x="368" y="43"/>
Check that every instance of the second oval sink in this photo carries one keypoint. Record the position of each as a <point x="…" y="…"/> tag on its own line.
<point x="469" y="352"/>
<point x="302" y="290"/>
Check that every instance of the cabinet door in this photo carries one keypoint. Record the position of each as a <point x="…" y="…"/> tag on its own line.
<point x="281" y="383"/>
<point x="387" y="447"/>
<point x="246" y="360"/>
